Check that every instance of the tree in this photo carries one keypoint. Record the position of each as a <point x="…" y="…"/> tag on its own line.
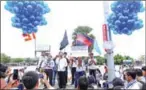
<point x="18" y="60"/>
<point x="100" y="60"/>
<point x="5" y="58"/>
<point x="118" y="59"/>
<point x="83" y="30"/>
<point x="127" y="58"/>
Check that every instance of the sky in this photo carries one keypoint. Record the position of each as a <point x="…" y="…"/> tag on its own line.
<point x="68" y="15"/>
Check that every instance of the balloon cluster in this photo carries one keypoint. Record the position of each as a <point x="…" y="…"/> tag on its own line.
<point x="28" y="14"/>
<point x="124" y="17"/>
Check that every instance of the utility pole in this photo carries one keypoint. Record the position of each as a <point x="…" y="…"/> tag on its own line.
<point x="110" y="59"/>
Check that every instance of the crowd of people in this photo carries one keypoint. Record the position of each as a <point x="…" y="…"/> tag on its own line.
<point x="50" y="70"/>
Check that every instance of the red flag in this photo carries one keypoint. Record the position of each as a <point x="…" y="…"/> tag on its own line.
<point x="27" y="37"/>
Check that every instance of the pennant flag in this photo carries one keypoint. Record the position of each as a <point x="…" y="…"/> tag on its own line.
<point x="64" y="42"/>
<point x="84" y="39"/>
<point x="96" y="47"/>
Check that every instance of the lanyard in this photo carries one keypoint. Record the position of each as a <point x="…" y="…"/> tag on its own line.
<point x="131" y="83"/>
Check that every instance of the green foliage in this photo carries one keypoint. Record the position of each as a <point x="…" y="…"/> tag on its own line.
<point x="17" y="60"/>
<point x="127" y="58"/>
<point x="84" y="30"/>
<point x="5" y="58"/>
<point x="118" y="59"/>
<point x="100" y="60"/>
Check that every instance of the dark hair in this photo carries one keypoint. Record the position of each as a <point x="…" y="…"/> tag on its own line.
<point x="124" y="77"/>
<point x="3" y="68"/>
<point x="91" y="80"/>
<point x="138" y="72"/>
<point x="83" y="83"/>
<point x="2" y="75"/>
<point x="30" y="79"/>
<point x="132" y="73"/>
<point x="144" y="68"/>
<point x="117" y="82"/>
<point x="65" y="53"/>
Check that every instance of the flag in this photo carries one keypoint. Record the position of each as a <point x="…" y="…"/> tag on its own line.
<point x="96" y="47"/>
<point x="84" y="39"/>
<point x="64" y="42"/>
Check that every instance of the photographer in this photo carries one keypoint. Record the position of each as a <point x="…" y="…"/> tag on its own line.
<point x="5" y="73"/>
<point x="31" y="80"/>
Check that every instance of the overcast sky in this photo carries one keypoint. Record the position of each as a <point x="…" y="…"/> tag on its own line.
<point x="67" y="15"/>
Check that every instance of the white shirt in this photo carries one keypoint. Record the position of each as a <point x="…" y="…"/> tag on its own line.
<point x="74" y="63"/>
<point x="49" y="64"/>
<point x="41" y="60"/>
<point x="62" y="63"/>
<point x="133" y="85"/>
<point x="92" y="66"/>
<point x="82" y="68"/>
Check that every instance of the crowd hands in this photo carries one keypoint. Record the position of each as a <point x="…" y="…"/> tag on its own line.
<point x="29" y="80"/>
<point x="44" y="75"/>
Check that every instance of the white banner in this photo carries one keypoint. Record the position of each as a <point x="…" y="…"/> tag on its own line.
<point x="42" y="47"/>
<point x="79" y="51"/>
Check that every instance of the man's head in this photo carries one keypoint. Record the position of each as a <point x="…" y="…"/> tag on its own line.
<point x="144" y="70"/>
<point x="43" y="53"/>
<point x="138" y="73"/>
<point x="83" y="83"/>
<point x="61" y="54"/>
<point x="91" y="55"/>
<point x="117" y="82"/>
<point x="65" y="54"/>
<point x="130" y="75"/>
<point x="4" y="71"/>
<point x="30" y="80"/>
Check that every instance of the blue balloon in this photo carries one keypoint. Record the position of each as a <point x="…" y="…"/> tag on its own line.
<point x="25" y="20"/>
<point x="24" y="28"/>
<point x="129" y="32"/>
<point x="7" y="7"/>
<point x="121" y="18"/>
<point x="26" y="3"/>
<point x="117" y="22"/>
<point x="20" y="4"/>
<point x="124" y="17"/>
<point x="115" y="32"/>
<point x="28" y="14"/>
<point x="35" y="29"/>
<point x="17" y="25"/>
<point x="30" y="25"/>
<point x="16" y="9"/>
<point x="30" y="31"/>
<point x="15" y="20"/>
<point x="33" y="3"/>
<point x="38" y="18"/>
<point x="32" y="17"/>
<point x="29" y="8"/>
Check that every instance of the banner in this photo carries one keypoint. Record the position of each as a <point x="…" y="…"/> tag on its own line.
<point x="44" y="47"/>
<point x="78" y="51"/>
